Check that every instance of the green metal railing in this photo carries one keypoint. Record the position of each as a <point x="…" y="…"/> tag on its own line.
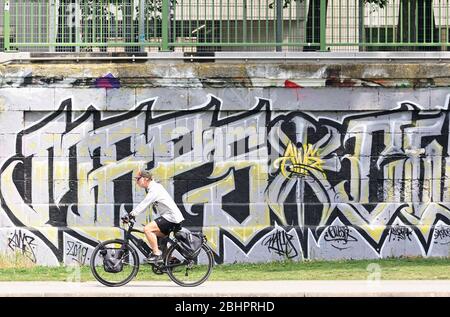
<point x="232" y="25"/>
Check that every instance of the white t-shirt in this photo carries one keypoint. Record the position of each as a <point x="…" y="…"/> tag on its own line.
<point x="164" y="204"/>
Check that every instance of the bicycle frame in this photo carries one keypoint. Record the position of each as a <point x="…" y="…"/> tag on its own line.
<point x="139" y="243"/>
<point x="144" y="248"/>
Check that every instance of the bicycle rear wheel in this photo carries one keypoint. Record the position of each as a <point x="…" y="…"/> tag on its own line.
<point x="125" y="258"/>
<point x="189" y="272"/>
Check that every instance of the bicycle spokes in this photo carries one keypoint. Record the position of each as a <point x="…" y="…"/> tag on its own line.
<point x="190" y="272"/>
<point x="114" y="263"/>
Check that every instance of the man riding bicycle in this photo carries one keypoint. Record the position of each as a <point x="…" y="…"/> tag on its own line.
<point x="170" y="216"/>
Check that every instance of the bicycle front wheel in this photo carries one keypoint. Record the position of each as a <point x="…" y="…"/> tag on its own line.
<point x="114" y="263"/>
<point x="189" y="272"/>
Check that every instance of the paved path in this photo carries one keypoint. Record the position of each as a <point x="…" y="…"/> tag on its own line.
<point x="231" y="289"/>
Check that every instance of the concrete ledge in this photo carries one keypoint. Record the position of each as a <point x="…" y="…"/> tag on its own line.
<point x="232" y="74"/>
<point x="7" y="57"/>
<point x="350" y="57"/>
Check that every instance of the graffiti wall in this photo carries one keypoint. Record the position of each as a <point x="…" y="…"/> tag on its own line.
<point x="264" y="181"/>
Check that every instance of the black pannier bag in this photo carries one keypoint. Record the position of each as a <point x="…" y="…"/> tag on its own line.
<point x="112" y="260"/>
<point x="190" y="242"/>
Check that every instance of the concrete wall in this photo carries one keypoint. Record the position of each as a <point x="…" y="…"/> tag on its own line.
<point x="271" y="161"/>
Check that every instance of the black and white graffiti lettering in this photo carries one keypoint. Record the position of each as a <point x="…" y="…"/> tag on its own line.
<point x="234" y="174"/>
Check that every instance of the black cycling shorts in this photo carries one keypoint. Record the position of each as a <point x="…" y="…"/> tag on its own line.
<point x="166" y="226"/>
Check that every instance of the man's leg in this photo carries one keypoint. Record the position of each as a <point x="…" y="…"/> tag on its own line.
<point x="152" y="231"/>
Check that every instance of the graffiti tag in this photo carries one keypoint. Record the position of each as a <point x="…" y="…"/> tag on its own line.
<point x="299" y="161"/>
<point x="338" y="236"/>
<point x="19" y="241"/>
<point x="400" y="233"/>
<point x="281" y="243"/>
<point x="442" y="233"/>
<point x="77" y="251"/>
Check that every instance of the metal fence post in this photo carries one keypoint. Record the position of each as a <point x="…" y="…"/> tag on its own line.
<point x="361" y="25"/>
<point x="6" y="26"/>
<point x="279" y="28"/>
<point x="53" y="24"/>
<point x="244" y="21"/>
<point x="323" y="25"/>
<point x="77" y="26"/>
<point x="165" y="25"/>
<point x="142" y="24"/>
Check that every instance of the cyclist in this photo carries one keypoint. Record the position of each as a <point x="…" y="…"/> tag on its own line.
<point x="170" y="216"/>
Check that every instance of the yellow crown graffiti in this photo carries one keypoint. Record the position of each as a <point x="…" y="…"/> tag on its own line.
<point x="299" y="162"/>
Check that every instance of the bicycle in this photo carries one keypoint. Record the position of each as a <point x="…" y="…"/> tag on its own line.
<point x="116" y="262"/>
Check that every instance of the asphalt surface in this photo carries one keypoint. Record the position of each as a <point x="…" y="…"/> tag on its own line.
<point x="231" y="289"/>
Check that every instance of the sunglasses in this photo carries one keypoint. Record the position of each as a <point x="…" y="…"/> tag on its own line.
<point x="137" y="178"/>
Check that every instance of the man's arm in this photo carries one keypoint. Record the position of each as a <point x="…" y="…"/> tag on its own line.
<point x="149" y="199"/>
